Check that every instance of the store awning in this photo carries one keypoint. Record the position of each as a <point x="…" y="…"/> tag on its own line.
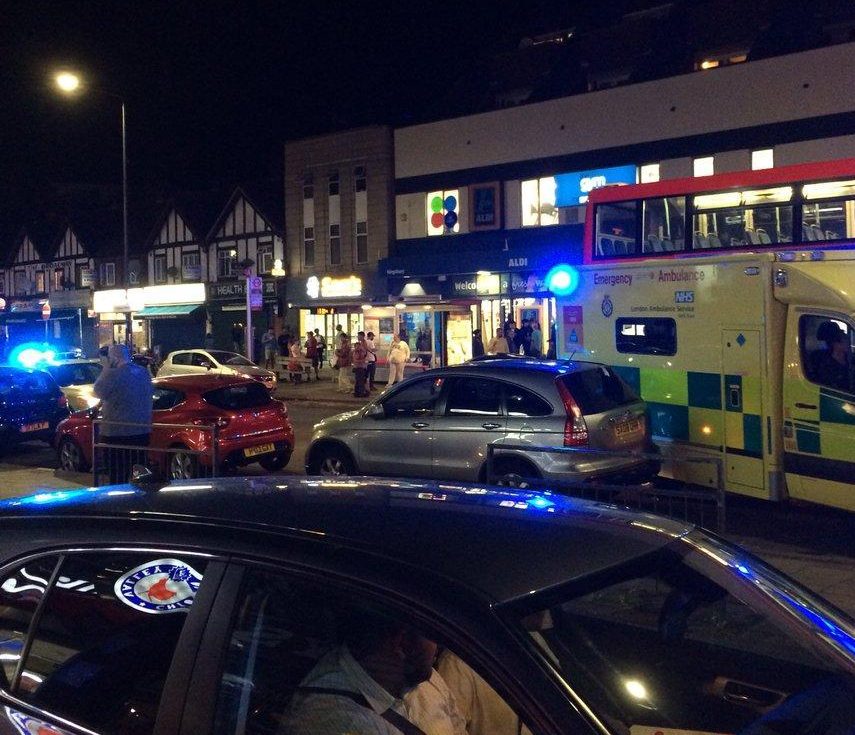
<point x="176" y="310"/>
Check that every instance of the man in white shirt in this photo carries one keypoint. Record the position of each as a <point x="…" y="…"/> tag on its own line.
<point x="365" y="686"/>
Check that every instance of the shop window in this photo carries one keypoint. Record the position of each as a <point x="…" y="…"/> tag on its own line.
<point x="617" y="229"/>
<point x="264" y="257"/>
<point x="41" y="285"/>
<point x="742" y="218"/>
<point x="335" y="244"/>
<point x="359" y="180"/>
<point x="538" y="202"/>
<point x="443" y="212"/>
<point x="664" y="224"/>
<point x="764" y="158"/>
<point x="309" y="246"/>
<point x="98" y="655"/>
<point x="474" y="397"/>
<point x="160" y="269"/>
<point x="649" y="173"/>
<point x="416" y="399"/>
<point x="646" y="336"/>
<point x="828" y="351"/>
<point x="703" y="166"/>
<point x="333" y="184"/>
<point x="361" y="242"/>
<point x="226" y="262"/>
<point x="107" y="276"/>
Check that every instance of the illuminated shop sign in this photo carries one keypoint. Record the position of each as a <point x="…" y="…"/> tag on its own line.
<point x="572" y="189"/>
<point x="333" y="288"/>
<point x="136" y="299"/>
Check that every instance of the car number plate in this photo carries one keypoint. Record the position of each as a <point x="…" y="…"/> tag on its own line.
<point x="260" y="449"/>
<point x="35" y="426"/>
<point x="633" y="426"/>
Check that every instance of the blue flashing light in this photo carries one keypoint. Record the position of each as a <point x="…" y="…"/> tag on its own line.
<point x="538" y="501"/>
<point x="31" y="354"/>
<point x="562" y="279"/>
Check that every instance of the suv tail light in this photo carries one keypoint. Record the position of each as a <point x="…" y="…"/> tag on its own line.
<point x="575" y="428"/>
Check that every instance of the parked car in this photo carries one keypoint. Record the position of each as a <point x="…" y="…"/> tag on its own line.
<point x="201" y="607"/>
<point x="31" y="406"/>
<point x="251" y="426"/>
<point x="218" y="362"/>
<point x="438" y="425"/>
<point x="75" y="376"/>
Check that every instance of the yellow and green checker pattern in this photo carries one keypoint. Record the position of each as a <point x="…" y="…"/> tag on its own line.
<point x="707" y="409"/>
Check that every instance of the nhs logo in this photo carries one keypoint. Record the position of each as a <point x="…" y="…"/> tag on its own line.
<point x="684" y="297"/>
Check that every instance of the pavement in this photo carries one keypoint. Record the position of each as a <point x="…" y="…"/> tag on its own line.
<point x="323" y="391"/>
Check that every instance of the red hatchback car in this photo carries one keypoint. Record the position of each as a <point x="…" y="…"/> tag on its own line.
<point x="251" y="427"/>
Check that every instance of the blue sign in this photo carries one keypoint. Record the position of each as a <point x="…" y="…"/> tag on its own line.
<point x="573" y="189"/>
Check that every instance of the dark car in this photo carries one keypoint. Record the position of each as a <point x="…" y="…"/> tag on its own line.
<point x="31" y="406"/>
<point x="205" y="607"/>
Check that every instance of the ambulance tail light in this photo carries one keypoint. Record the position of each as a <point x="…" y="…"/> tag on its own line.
<point x="575" y="428"/>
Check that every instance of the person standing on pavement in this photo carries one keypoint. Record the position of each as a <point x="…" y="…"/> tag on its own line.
<point x="268" y="344"/>
<point x="343" y="361"/>
<point x="125" y="392"/>
<point x="237" y="337"/>
<point x="372" y="359"/>
<point x="536" y="340"/>
<point x="477" y="343"/>
<point x="360" y="366"/>
<point x="311" y="346"/>
<point x="322" y="346"/>
<point x="499" y="344"/>
<point x="399" y="355"/>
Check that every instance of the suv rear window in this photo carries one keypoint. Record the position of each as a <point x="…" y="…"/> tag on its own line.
<point x="597" y="390"/>
<point x="238" y="397"/>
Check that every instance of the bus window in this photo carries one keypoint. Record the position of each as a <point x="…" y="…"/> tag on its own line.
<point x="742" y="219"/>
<point x="616" y="229"/>
<point x="664" y="224"/>
<point x="646" y="336"/>
<point x="826" y="214"/>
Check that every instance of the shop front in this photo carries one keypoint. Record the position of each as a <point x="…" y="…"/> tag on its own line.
<point x="226" y="306"/>
<point x="60" y="319"/>
<point x="163" y="318"/>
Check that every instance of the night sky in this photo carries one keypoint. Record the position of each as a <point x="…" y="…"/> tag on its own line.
<point x="214" y="89"/>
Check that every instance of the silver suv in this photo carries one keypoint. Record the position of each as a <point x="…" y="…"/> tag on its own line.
<point x="438" y="425"/>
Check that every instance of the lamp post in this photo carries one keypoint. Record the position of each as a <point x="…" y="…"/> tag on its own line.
<point x="69" y="83"/>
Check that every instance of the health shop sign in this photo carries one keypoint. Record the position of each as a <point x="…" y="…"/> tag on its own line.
<point x="236" y="290"/>
<point x="572" y="189"/>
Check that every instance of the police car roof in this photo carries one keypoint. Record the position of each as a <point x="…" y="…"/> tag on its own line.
<point x="503" y="543"/>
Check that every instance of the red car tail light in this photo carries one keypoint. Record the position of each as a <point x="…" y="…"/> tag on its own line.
<point x="575" y="428"/>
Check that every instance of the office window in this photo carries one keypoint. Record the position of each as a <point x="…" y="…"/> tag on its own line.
<point x="538" y="202"/>
<point x="703" y="166"/>
<point x="309" y="246"/>
<point x="361" y="242"/>
<point x="308" y="188"/>
<point x="762" y="159"/>
<point x="107" y="276"/>
<point x="649" y="173"/>
<point x="335" y="244"/>
<point x="226" y="262"/>
<point x="333" y="184"/>
<point x="264" y="258"/>
<point x="160" y="269"/>
<point x="359" y="181"/>
<point x="443" y="212"/>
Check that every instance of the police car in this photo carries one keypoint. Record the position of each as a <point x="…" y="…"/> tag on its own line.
<point x="200" y="607"/>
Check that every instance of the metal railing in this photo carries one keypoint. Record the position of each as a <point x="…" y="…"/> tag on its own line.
<point x="697" y="504"/>
<point x="172" y="457"/>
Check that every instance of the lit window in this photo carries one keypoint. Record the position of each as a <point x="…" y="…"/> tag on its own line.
<point x="538" y="202"/>
<point x="649" y="173"/>
<point x="443" y="212"/>
<point x="828" y="189"/>
<point x="703" y="166"/>
<point x="709" y="64"/>
<point x="762" y="159"/>
<point x="226" y="262"/>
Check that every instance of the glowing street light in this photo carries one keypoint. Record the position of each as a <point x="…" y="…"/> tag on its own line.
<point x="67" y="82"/>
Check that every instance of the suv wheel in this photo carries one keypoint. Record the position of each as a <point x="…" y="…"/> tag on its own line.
<point x="515" y="474"/>
<point x="331" y="461"/>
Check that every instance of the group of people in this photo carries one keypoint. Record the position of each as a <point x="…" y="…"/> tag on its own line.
<point x="509" y="340"/>
<point x="357" y="363"/>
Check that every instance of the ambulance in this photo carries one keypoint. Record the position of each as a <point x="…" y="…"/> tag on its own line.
<point x="728" y="303"/>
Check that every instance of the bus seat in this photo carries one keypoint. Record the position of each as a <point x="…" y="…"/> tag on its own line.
<point x="807" y="232"/>
<point x="700" y="240"/>
<point x="763" y="236"/>
<point x="829" y="235"/>
<point x="751" y="236"/>
<point x="817" y="232"/>
<point x="667" y="245"/>
<point x="653" y="244"/>
<point x="713" y="240"/>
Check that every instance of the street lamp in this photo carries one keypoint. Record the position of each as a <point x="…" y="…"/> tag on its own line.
<point x="70" y="83"/>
